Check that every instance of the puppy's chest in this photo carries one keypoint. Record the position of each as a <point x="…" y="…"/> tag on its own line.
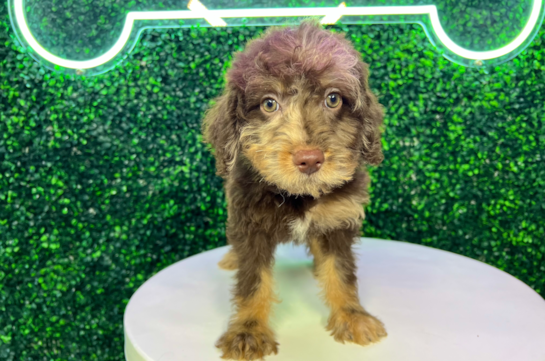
<point x="299" y="228"/>
<point x="328" y="214"/>
<point x="300" y="218"/>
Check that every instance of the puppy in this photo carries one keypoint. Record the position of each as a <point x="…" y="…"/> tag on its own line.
<point x="292" y="133"/>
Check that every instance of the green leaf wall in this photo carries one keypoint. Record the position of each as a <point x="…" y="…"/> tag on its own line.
<point x="104" y="181"/>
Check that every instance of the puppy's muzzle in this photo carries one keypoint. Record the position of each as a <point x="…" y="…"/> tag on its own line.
<point x="308" y="161"/>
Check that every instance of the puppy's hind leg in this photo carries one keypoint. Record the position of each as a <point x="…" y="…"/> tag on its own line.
<point x="229" y="262"/>
<point x="335" y="271"/>
<point x="316" y="251"/>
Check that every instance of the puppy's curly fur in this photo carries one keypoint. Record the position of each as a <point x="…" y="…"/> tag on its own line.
<point x="295" y="91"/>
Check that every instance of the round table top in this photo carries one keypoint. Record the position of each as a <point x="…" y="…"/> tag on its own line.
<point x="435" y="305"/>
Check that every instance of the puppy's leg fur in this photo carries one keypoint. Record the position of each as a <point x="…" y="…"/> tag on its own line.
<point x="335" y="270"/>
<point x="229" y="262"/>
<point x="249" y="336"/>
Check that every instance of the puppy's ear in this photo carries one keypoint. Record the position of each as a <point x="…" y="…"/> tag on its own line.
<point x="221" y="129"/>
<point x="371" y="114"/>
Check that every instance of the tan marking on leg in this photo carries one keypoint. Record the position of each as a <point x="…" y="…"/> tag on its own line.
<point x="316" y="251"/>
<point x="229" y="262"/>
<point x="249" y="336"/>
<point x="258" y="306"/>
<point x="337" y="293"/>
<point x="348" y="320"/>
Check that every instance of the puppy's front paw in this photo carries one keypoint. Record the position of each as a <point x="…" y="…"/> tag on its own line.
<point x="248" y="341"/>
<point x="355" y="326"/>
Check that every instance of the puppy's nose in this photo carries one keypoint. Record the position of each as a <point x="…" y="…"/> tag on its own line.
<point x="308" y="161"/>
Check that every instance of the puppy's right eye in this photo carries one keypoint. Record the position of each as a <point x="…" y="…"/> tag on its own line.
<point x="269" y="105"/>
<point x="333" y="100"/>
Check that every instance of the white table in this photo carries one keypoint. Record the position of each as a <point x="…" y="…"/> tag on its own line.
<point x="435" y="305"/>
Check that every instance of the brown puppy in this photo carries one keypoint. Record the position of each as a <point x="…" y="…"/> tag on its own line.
<point x="292" y="133"/>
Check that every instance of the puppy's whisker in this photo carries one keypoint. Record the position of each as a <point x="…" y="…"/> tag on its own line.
<point x="283" y="200"/>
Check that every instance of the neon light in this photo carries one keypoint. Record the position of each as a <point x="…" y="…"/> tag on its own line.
<point x="332" y="18"/>
<point x="196" y="5"/>
<point x="213" y="17"/>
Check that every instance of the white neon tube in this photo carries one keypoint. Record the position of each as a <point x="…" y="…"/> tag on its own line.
<point x="332" y="18"/>
<point x="196" y="5"/>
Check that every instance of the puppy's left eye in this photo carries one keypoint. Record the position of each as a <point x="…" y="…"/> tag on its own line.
<point x="269" y="105"/>
<point x="333" y="100"/>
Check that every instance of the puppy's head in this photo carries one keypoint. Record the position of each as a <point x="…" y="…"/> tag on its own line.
<point x="298" y="107"/>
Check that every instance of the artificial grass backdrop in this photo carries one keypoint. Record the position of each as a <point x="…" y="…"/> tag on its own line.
<point x="104" y="181"/>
